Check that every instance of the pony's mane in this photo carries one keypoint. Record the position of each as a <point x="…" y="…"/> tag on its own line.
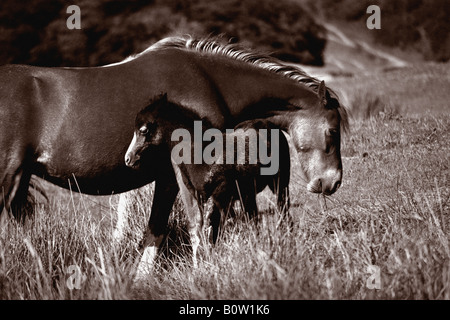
<point x="215" y="46"/>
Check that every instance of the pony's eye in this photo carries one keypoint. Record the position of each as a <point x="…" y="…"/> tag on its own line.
<point x="304" y="148"/>
<point x="333" y="132"/>
<point x="143" y="130"/>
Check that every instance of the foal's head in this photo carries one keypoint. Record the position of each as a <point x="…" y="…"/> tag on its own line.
<point x="147" y="130"/>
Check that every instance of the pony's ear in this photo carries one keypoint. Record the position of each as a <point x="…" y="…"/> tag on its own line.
<point x="322" y="92"/>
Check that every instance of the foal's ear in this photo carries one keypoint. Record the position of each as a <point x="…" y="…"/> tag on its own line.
<point x="160" y="102"/>
<point x="322" y="92"/>
<point x="163" y="97"/>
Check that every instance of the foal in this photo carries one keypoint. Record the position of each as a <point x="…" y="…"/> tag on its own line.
<point x="220" y="181"/>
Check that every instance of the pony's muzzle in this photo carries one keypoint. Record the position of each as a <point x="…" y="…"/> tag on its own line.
<point x="327" y="185"/>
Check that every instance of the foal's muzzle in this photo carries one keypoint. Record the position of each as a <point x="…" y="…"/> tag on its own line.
<point x="131" y="160"/>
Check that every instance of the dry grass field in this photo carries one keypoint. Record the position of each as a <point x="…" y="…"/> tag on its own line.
<point x="390" y="218"/>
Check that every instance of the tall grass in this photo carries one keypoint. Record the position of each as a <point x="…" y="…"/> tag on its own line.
<point x="365" y="105"/>
<point x="391" y="213"/>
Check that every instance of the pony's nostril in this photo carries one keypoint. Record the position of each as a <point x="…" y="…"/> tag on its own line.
<point x="319" y="185"/>
<point x="335" y="186"/>
<point x="333" y="189"/>
<point x="127" y="160"/>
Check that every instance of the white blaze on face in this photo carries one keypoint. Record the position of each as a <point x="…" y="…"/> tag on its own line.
<point x="131" y="146"/>
<point x="309" y="141"/>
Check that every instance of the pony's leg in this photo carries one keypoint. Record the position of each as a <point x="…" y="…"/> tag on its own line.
<point x="21" y="195"/>
<point x="128" y="207"/>
<point x="166" y="191"/>
<point x="123" y="212"/>
<point x="14" y="181"/>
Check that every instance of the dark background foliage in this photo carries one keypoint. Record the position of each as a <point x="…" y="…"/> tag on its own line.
<point x="35" y="32"/>
<point x="419" y="25"/>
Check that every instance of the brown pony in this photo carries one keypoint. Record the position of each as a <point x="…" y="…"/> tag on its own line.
<point x="70" y="126"/>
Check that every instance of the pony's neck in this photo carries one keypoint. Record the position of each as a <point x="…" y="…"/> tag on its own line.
<point x="285" y="120"/>
<point x="281" y="121"/>
<point x="243" y="84"/>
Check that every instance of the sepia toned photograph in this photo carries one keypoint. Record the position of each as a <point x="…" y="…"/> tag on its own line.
<point x="225" y="154"/>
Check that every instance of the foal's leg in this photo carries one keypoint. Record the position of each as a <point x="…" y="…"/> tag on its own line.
<point x="215" y="223"/>
<point x="250" y="206"/>
<point x="247" y="193"/>
<point x="223" y="198"/>
<point x="193" y="210"/>
<point x="195" y="220"/>
<point x="208" y="216"/>
<point x="166" y="190"/>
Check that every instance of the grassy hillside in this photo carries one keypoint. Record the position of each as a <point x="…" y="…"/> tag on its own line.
<point x="413" y="25"/>
<point x="392" y="212"/>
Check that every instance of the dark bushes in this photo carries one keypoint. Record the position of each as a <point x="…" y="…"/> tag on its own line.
<point x="36" y="32"/>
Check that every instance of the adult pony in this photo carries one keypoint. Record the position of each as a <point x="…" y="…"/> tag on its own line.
<point x="71" y="126"/>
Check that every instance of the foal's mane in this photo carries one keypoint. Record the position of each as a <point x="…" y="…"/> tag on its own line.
<point x="215" y="46"/>
<point x="162" y="107"/>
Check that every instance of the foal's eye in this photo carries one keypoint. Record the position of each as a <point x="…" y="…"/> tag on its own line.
<point x="143" y="130"/>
